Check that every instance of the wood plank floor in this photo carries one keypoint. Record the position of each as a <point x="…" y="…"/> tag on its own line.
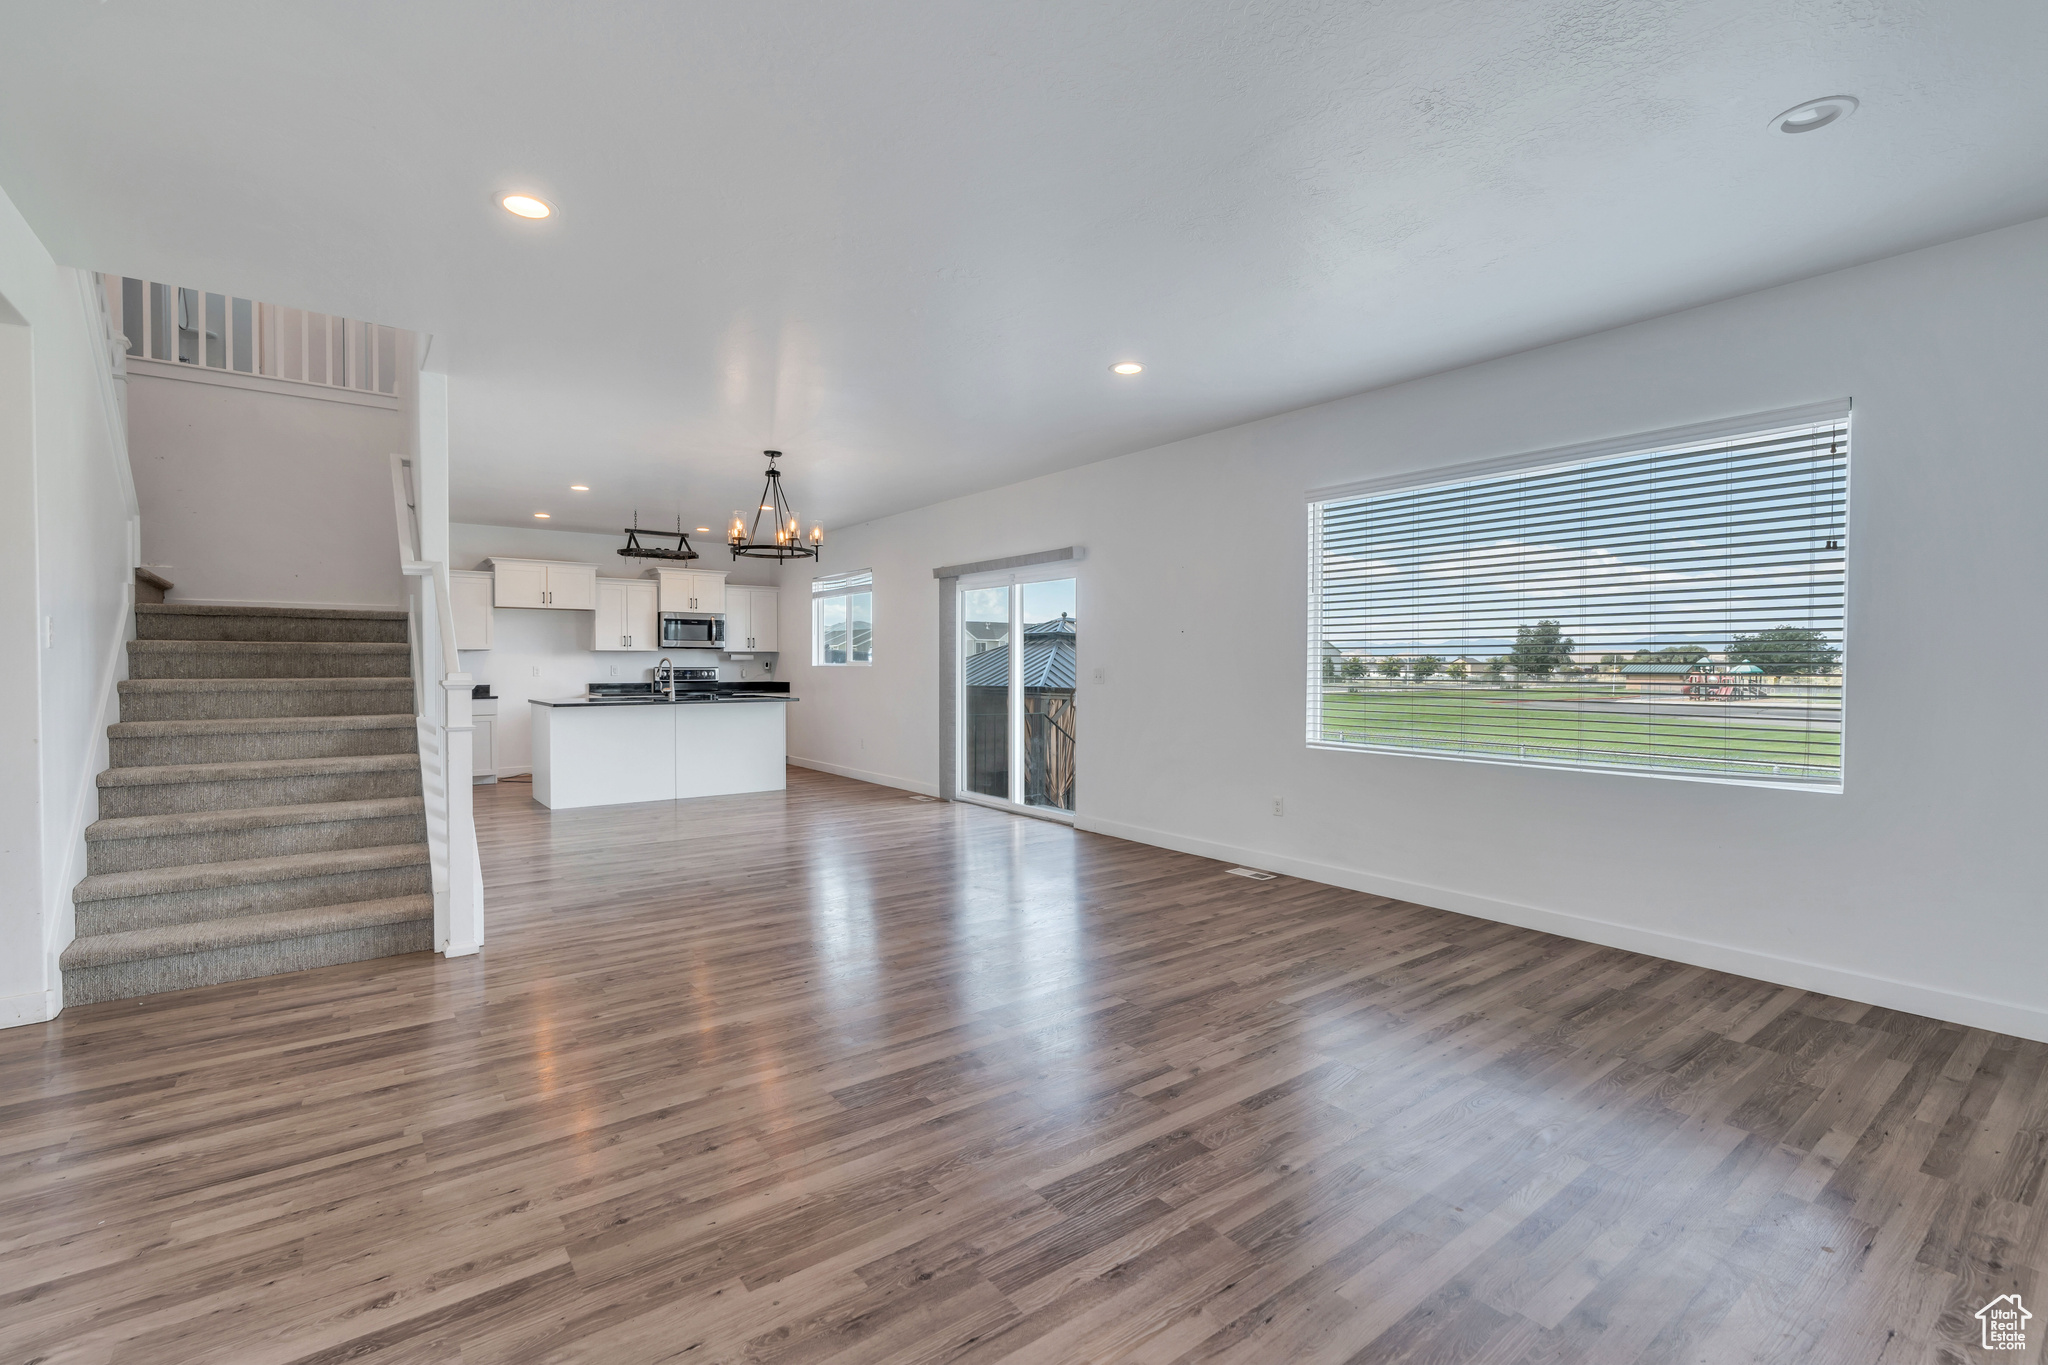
<point x="839" y="1076"/>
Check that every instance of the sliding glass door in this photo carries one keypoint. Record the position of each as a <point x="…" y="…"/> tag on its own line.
<point x="1017" y="683"/>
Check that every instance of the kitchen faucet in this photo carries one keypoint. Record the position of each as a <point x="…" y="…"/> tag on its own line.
<point x="665" y="675"/>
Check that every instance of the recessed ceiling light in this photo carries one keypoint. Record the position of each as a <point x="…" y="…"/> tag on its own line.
<point x="1127" y="367"/>
<point x="1804" y="118"/>
<point x="543" y="515"/>
<point x="526" y="206"/>
<point x="579" y="488"/>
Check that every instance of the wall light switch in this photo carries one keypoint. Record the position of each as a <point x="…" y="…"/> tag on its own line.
<point x="536" y="670"/>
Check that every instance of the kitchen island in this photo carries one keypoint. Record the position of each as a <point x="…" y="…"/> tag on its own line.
<point x="602" y="751"/>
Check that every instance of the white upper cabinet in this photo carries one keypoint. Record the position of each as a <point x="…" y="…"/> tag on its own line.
<point x="749" y="619"/>
<point x="519" y="582"/>
<point x="627" y="615"/>
<point x="469" y="596"/>
<point x="767" y="602"/>
<point x="698" y="590"/>
<point x="544" y="583"/>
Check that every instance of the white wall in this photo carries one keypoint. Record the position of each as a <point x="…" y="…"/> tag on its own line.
<point x="543" y="653"/>
<point x="1920" y="887"/>
<point x="265" y="496"/>
<point x="66" y="551"/>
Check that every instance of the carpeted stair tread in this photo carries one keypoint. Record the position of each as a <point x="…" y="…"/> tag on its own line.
<point x="252" y="817"/>
<point x="199" y="936"/>
<point x="324" y="613"/>
<point x="364" y="684"/>
<point x="288" y="867"/>
<point x="279" y="648"/>
<point x="259" y="725"/>
<point x="256" y="769"/>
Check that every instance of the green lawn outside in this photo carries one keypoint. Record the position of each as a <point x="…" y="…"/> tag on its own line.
<point x="1502" y="723"/>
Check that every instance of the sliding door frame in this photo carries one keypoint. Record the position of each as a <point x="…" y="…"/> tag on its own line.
<point x="1014" y="580"/>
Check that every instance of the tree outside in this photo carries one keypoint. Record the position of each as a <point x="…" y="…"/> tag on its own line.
<point x="1455" y="672"/>
<point x="1497" y="667"/>
<point x="1540" y="650"/>
<point x="1354" y="669"/>
<point x="1784" y="652"/>
<point x="1425" y="668"/>
<point x="1390" y="668"/>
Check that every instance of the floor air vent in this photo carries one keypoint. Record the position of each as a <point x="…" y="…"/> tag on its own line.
<point x="1253" y="873"/>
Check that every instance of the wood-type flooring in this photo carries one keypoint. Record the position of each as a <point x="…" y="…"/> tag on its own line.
<point x="834" y="1075"/>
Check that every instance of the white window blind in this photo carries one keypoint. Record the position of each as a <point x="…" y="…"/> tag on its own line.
<point x="1671" y="608"/>
<point x="842" y="582"/>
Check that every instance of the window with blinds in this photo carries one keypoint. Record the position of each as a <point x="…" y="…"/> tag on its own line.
<point x="1671" y="606"/>
<point x="843" y="618"/>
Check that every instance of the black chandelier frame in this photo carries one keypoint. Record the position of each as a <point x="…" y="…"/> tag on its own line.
<point x="788" y="542"/>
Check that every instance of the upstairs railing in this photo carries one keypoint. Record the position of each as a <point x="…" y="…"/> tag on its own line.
<point x="175" y="325"/>
<point x="441" y="703"/>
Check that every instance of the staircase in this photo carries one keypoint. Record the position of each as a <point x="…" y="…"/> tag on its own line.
<point x="263" y="812"/>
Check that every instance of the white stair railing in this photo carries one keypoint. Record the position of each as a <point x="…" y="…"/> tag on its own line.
<point x="172" y="325"/>
<point x="441" y="693"/>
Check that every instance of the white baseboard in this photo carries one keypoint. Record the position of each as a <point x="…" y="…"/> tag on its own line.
<point x="908" y="784"/>
<point x="36" y="1007"/>
<point x="284" y="606"/>
<point x="1974" y="1011"/>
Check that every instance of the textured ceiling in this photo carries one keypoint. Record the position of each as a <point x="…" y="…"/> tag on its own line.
<point x="903" y="241"/>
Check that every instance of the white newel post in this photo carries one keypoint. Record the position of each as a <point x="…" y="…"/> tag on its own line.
<point x="464" y="932"/>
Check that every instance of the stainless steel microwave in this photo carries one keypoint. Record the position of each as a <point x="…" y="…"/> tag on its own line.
<point x="692" y="630"/>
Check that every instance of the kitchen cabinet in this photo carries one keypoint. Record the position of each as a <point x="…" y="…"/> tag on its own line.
<point x="545" y="583"/>
<point x="483" y="740"/>
<point x="697" y="590"/>
<point x="627" y="616"/>
<point x="469" y="597"/>
<point x="750" y="620"/>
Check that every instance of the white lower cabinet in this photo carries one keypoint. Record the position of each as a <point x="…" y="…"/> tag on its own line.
<point x="483" y="740"/>
<point x="627" y="616"/>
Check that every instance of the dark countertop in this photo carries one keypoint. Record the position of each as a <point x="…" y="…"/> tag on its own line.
<point x="613" y="703"/>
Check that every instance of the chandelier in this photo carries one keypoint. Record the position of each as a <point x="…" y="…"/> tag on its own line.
<point x="784" y="540"/>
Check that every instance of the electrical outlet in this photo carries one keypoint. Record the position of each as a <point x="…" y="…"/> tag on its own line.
<point x="1279" y="805"/>
<point x="536" y="670"/>
<point x="1102" y="675"/>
